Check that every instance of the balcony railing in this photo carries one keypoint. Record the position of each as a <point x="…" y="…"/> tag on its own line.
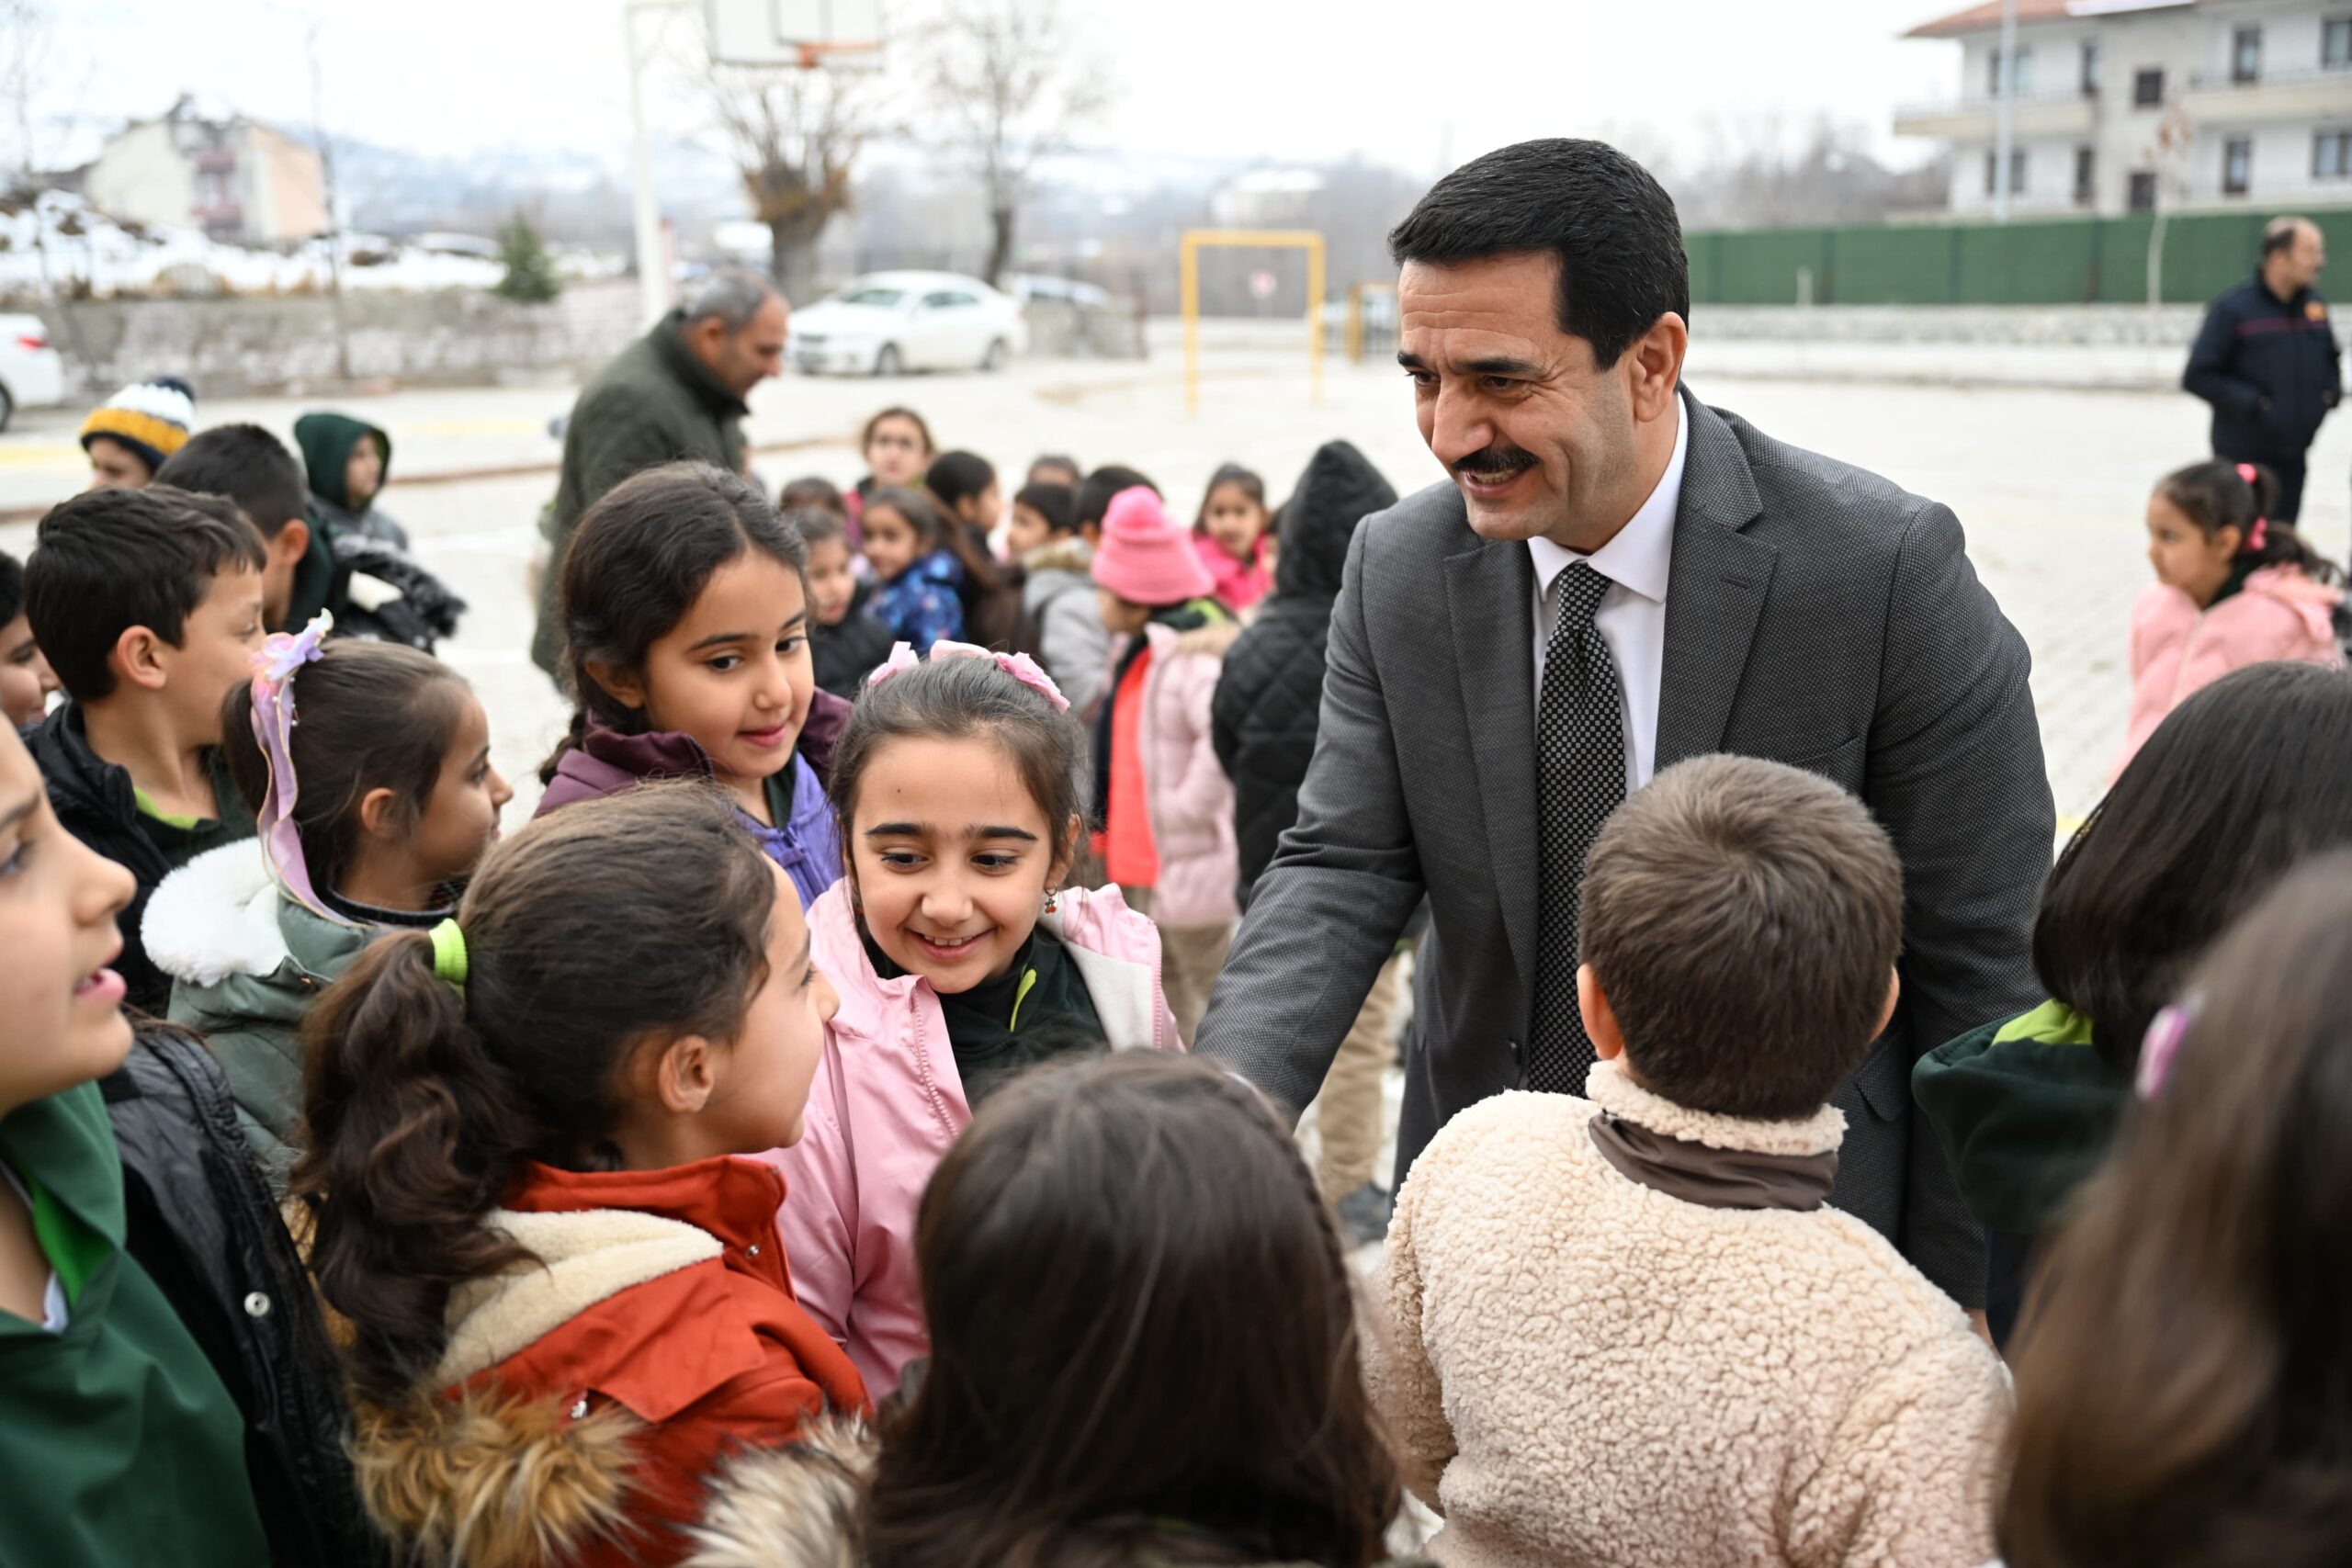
<point x="2310" y="76"/>
<point x="1986" y="102"/>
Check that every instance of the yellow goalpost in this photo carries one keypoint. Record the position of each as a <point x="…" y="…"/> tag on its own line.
<point x="1195" y="241"/>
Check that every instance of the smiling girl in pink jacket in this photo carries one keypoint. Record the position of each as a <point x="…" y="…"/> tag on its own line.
<point x="2233" y="589"/>
<point x="960" y="960"/>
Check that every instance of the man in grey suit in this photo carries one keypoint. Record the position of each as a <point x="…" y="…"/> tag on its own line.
<point x="1618" y="578"/>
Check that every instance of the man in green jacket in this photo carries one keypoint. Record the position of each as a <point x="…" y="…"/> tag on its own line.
<point x="676" y="392"/>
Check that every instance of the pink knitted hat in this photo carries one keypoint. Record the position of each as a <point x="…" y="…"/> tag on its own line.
<point x="1147" y="558"/>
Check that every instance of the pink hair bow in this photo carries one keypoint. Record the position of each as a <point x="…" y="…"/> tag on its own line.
<point x="2161" y="1045"/>
<point x="1020" y="666"/>
<point x="276" y="663"/>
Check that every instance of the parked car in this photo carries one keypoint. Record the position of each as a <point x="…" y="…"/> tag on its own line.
<point x="32" y="374"/>
<point x="890" y="322"/>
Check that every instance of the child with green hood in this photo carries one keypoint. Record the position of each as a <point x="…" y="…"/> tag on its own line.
<point x="348" y="462"/>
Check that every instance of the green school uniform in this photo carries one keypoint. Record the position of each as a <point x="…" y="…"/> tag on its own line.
<point x="117" y="1440"/>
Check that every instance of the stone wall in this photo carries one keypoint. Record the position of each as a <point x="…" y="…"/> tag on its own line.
<point x="284" y="343"/>
<point x="228" y="346"/>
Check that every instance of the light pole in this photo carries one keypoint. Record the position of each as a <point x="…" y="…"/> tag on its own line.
<point x="653" y="268"/>
<point x="2005" y="82"/>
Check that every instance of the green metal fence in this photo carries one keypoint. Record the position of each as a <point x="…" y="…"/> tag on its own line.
<point x="2078" y="261"/>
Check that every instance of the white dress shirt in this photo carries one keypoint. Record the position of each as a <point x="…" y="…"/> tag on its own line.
<point x="1632" y="617"/>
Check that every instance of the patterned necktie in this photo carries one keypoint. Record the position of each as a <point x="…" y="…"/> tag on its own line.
<point x="1580" y="779"/>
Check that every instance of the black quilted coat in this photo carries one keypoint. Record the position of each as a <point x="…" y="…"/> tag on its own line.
<point x="203" y="1224"/>
<point x="1268" y="698"/>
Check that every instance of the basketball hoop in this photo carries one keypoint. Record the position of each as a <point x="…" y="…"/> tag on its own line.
<point x="810" y="56"/>
<point x="806" y="35"/>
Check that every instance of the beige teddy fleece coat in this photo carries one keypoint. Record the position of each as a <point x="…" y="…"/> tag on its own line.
<point x="1580" y="1370"/>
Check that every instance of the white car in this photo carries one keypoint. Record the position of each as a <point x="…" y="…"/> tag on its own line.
<point x="889" y="322"/>
<point x="32" y="374"/>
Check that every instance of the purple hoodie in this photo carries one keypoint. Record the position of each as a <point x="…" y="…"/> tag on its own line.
<point x="808" y="845"/>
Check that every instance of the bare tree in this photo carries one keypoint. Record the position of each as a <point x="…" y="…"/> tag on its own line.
<point x="1007" y="84"/>
<point x="795" y="135"/>
<point x="28" y="63"/>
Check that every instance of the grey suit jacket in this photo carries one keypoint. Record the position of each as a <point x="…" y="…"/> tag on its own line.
<point x="1817" y="615"/>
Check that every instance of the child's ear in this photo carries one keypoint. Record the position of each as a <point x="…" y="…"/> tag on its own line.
<point x="1600" y="1017"/>
<point x="137" y="659"/>
<point x="620" y="682"/>
<point x="685" y="1075"/>
<point x="1066" y="854"/>
<point x="375" y="812"/>
<point x="293" y="541"/>
<point x="1893" y="995"/>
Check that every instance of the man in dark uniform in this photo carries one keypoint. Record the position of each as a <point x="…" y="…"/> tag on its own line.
<point x="2266" y="360"/>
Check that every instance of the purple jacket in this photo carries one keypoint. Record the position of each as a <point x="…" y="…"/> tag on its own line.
<point x="808" y="846"/>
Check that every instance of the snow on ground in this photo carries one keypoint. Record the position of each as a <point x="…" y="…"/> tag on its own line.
<point x="59" y="241"/>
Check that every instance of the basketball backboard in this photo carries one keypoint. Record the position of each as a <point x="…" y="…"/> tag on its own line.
<point x="801" y="33"/>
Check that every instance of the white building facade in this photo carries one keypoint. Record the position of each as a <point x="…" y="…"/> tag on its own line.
<point x="2116" y="105"/>
<point x="235" y="179"/>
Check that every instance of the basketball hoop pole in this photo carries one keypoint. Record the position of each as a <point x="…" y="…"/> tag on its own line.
<point x="652" y="271"/>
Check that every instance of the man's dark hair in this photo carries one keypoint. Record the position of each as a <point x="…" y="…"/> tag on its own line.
<point x="1610" y="224"/>
<point x="1743" y="918"/>
<point x="1094" y="496"/>
<point x="249" y="466"/>
<point x="12" y="587"/>
<point x="110" y="559"/>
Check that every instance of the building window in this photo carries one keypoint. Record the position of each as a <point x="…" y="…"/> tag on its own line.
<point x="2245" y="54"/>
<point x="2086" y="175"/>
<point x="2022" y="68"/>
<point x="2332" y="155"/>
<point x="2148" y="89"/>
<point x="2143" y="190"/>
<point x="2017" y="171"/>
<point x="2336" y="43"/>
<point x="2091" y="67"/>
<point x="2237" y="165"/>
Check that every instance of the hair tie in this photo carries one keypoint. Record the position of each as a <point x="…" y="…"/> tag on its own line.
<point x="449" y="955"/>
<point x="275" y="665"/>
<point x="2247" y="472"/>
<point x="2259" y="534"/>
<point x="1020" y="666"/>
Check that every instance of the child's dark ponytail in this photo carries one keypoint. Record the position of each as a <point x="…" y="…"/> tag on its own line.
<point x="619" y="923"/>
<point x="415" y="1132"/>
<point x="2221" y="494"/>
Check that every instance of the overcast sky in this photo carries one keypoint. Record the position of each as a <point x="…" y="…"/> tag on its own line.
<point x="1411" y="84"/>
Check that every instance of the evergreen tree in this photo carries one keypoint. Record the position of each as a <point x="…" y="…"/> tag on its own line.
<point x="531" y="275"/>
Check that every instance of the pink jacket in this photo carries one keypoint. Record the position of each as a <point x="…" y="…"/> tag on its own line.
<point x="887" y="1102"/>
<point x="2176" y="649"/>
<point x="1240" y="584"/>
<point x="1190" y="798"/>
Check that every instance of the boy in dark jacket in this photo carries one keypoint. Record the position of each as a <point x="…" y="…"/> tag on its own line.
<point x="1268" y="705"/>
<point x="348" y="462"/>
<point x="311" y="561"/>
<point x="148" y="604"/>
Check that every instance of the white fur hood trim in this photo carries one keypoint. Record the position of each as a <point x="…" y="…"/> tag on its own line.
<point x="585" y="1256"/>
<point x="215" y="916"/>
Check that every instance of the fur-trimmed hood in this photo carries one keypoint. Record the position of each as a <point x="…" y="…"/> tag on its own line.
<point x="485" y="1479"/>
<point x="490" y="1480"/>
<point x="582" y="1397"/>
<point x="793" y="1507"/>
<point x="215" y="916"/>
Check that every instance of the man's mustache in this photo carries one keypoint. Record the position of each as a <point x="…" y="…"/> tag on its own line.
<point x="1495" y="462"/>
